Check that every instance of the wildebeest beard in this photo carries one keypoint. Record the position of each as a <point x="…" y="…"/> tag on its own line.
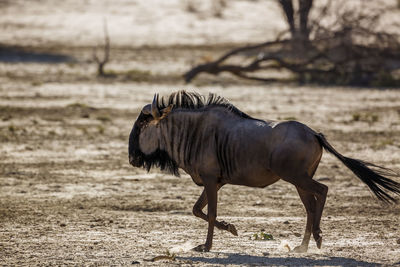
<point x="159" y="158"/>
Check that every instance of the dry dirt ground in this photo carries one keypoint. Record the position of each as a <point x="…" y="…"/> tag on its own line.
<point x="69" y="197"/>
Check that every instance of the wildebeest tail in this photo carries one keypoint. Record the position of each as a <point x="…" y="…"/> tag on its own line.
<point x="372" y="175"/>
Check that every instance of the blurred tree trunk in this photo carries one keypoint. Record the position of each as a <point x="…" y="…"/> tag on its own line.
<point x="287" y="6"/>
<point x="299" y="30"/>
<point x="304" y="9"/>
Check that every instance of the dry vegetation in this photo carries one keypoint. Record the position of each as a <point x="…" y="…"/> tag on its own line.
<point x="326" y="42"/>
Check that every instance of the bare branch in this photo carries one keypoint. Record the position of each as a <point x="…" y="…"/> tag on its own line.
<point x="106" y="52"/>
<point x="212" y="67"/>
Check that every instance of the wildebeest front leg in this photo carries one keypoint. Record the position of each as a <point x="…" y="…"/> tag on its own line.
<point x="210" y="188"/>
<point x="198" y="212"/>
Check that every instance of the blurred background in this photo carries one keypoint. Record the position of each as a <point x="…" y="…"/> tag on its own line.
<point x="326" y="42"/>
<point x="75" y="74"/>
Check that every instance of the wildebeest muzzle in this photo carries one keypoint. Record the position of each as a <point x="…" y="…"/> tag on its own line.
<point x="135" y="162"/>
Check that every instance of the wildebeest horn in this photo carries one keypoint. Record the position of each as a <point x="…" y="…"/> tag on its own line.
<point x="154" y="109"/>
<point x="147" y="109"/>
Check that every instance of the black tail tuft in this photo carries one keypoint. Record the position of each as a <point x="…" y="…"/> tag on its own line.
<point x="374" y="178"/>
<point x="372" y="175"/>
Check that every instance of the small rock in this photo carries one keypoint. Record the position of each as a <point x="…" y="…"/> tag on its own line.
<point x="286" y="222"/>
<point x="258" y="203"/>
<point x="398" y="241"/>
<point x="63" y="224"/>
<point x="135" y="262"/>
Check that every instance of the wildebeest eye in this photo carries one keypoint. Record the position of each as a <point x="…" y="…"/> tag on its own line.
<point x="144" y="121"/>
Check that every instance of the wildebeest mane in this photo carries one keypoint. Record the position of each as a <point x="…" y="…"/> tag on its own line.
<point x="193" y="101"/>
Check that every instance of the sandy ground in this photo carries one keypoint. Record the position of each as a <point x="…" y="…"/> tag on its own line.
<point x="69" y="197"/>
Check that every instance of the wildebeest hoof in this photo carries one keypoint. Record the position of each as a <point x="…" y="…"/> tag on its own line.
<point x="232" y="229"/>
<point x="228" y="227"/>
<point x="300" y="249"/>
<point x="318" y="238"/>
<point x="201" y="248"/>
<point x="319" y="242"/>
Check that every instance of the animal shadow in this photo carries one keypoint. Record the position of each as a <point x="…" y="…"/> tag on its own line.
<point x="10" y="54"/>
<point x="244" y="259"/>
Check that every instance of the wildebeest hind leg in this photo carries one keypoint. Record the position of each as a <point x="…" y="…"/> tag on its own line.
<point x="321" y="198"/>
<point x="198" y="212"/>
<point x="319" y="191"/>
<point x="309" y="203"/>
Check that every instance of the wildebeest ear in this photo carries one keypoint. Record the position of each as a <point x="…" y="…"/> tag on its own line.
<point x="164" y="113"/>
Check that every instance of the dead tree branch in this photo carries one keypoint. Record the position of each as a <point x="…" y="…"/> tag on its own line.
<point x="215" y="66"/>
<point x="101" y="62"/>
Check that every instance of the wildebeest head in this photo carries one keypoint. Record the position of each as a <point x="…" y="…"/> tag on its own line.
<point x="144" y="139"/>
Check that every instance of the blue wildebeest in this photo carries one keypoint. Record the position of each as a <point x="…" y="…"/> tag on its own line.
<point x="217" y="144"/>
